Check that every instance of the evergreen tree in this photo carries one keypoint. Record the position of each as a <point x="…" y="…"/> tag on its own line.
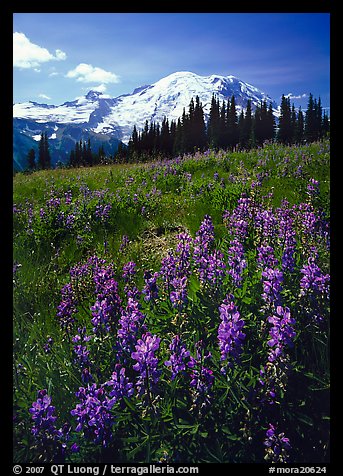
<point x="325" y="125"/>
<point x="241" y="129"/>
<point x="285" y="122"/>
<point x="89" y="154"/>
<point x="47" y="157"/>
<point x="246" y="127"/>
<point x="232" y="123"/>
<point x="293" y="124"/>
<point x="101" y="154"/>
<point x="121" y="154"/>
<point x="178" y="142"/>
<point x="191" y="134"/>
<point x="299" y="130"/>
<point x="84" y="152"/>
<point x="185" y="132"/>
<point x="72" y="161"/>
<point x="213" y="124"/>
<point x="222" y="129"/>
<point x="258" y="125"/>
<point x="199" y="125"/>
<point x="41" y="153"/>
<point x="77" y="154"/>
<point x="145" y="146"/>
<point x="318" y="110"/>
<point x="270" y="123"/>
<point x="172" y="137"/>
<point x="31" y="159"/>
<point x="165" y="137"/>
<point x="310" y="120"/>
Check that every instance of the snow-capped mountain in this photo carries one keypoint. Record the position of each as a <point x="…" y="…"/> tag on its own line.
<point x="104" y="118"/>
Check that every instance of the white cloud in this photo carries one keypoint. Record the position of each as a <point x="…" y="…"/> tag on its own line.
<point x="29" y="55"/>
<point x="101" y="88"/>
<point x="43" y="96"/>
<point x="299" y="96"/>
<point x="60" y="55"/>
<point x="86" y="73"/>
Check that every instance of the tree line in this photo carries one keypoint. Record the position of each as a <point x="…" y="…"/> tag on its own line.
<point x="44" y="157"/>
<point x="80" y="155"/>
<point x="226" y="129"/>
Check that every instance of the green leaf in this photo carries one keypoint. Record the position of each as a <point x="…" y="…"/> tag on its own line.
<point x="129" y="404"/>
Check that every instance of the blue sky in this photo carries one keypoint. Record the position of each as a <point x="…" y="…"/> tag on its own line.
<point x="61" y="56"/>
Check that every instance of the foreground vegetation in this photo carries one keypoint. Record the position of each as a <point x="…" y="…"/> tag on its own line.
<point x="175" y="311"/>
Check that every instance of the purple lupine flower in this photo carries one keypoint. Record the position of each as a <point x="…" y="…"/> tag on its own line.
<point x="272" y="285"/>
<point x="205" y="235"/>
<point x="150" y="289"/>
<point x="43" y="415"/>
<point x="101" y="316"/>
<point x="202" y="378"/>
<point x="266" y="257"/>
<point x="202" y="244"/>
<point x="86" y="376"/>
<point x="313" y="187"/>
<point x="179" y="357"/>
<point x="183" y="253"/>
<point x="230" y="335"/>
<point x="68" y="197"/>
<point x="314" y="291"/>
<point x="288" y="255"/>
<point x="93" y="414"/>
<point x="103" y="211"/>
<point x="124" y="242"/>
<point x="81" y="352"/>
<point x="50" y="440"/>
<point x="281" y="333"/>
<point x="47" y="345"/>
<point x="70" y="220"/>
<point x="307" y="219"/>
<point x="130" y="323"/>
<point x="168" y="267"/>
<point x="121" y="385"/>
<point x="61" y="218"/>
<point x="236" y="262"/>
<point x="286" y="236"/>
<point x="53" y="202"/>
<point x="132" y="292"/>
<point x="314" y="280"/>
<point x="237" y="222"/>
<point x="273" y="377"/>
<point x="104" y="282"/>
<point x="147" y="364"/>
<point x="107" y="307"/>
<point x="277" y="446"/>
<point x="129" y="270"/>
<point x="178" y="297"/>
<point x="266" y="224"/>
<point x="210" y="266"/>
<point x="215" y="269"/>
<point x="67" y="307"/>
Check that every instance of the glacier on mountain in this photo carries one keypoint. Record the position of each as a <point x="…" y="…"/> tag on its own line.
<point x="105" y="118"/>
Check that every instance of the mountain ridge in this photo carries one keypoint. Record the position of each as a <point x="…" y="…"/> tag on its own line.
<point x="111" y="120"/>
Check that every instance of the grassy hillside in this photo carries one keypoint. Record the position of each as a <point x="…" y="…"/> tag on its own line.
<point x="174" y="311"/>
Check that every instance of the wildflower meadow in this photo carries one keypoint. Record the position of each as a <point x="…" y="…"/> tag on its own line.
<point x="175" y="311"/>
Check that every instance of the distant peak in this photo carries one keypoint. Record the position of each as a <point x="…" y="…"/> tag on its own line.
<point x="93" y="94"/>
